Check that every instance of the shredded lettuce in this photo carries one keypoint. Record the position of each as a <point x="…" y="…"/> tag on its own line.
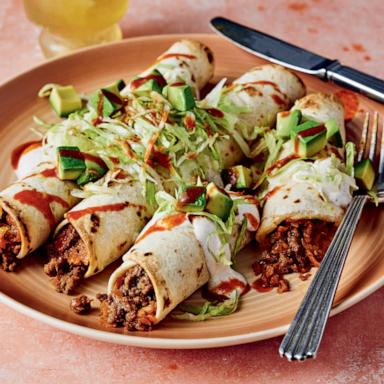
<point x="239" y="239"/>
<point x="350" y="153"/>
<point x="375" y="198"/>
<point x="208" y="309"/>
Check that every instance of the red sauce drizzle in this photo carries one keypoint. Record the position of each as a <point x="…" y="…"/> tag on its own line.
<point x="114" y="160"/>
<point x="50" y="172"/>
<point x="215" y="112"/>
<point x="83" y="155"/>
<point x="41" y="201"/>
<point x="177" y="84"/>
<point x="311" y="131"/>
<point x="189" y="122"/>
<point x="280" y="163"/>
<point x="177" y="55"/>
<point x="21" y="150"/>
<point x="278" y="100"/>
<point x="141" y="80"/>
<point x="271" y="193"/>
<point x="271" y="83"/>
<point x="159" y="158"/>
<point x="75" y="215"/>
<point x="190" y="195"/>
<point x="351" y="103"/>
<point x="164" y="224"/>
<point x="252" y="220"/>
<point x="258" y="286"/>
<point x="226" y="287"/>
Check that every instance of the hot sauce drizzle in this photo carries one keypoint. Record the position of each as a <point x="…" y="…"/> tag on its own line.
<point x="164" y="224"/>
<point x="226" y="287"/>
<point x="21" y="150"/>
<point x="280" y="163"/>
<point x="74" y="215"/>
<point x="41" y="201"/>
<point x="252" y="220"/>
<point x="258" y="286"/>
<point x="141" y="80"/>
<point x="271" y="193"/>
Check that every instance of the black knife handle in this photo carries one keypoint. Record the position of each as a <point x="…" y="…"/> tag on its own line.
<point x="358" y="81"/>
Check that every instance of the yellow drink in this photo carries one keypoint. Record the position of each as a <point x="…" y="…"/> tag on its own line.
<point x="71" y="24"/>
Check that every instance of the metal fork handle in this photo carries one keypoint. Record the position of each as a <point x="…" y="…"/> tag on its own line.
<point x="304" y="335"/>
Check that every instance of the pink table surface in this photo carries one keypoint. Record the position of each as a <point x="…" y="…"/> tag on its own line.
<point x="353" y="346"/>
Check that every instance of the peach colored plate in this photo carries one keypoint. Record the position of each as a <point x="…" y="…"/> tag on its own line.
<point x="262" y="315"/>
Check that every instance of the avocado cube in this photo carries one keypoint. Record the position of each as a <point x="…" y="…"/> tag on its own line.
<point x="365" y="174"/>
<point x="309" y="138"/>
<point x="180" y="96"/>
<point x="333" y="133"/>
<point x="218" y="202"/>
<point x="286" y="121"/>
<point x="95" y="168"/>
<point x="70" y="163"/>
<point x="65" y="100"/>
<point x="112" y="93"/>
<point x="154" y="81"/>
<point x="239" y="177"/>
<point x="150" y="192"/>
<point x="192" y="199"/>
<point x="102" y="104"/>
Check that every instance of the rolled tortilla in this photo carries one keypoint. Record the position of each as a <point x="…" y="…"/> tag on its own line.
<point x="187" y="61"/>
<point x="30" y="209"/>
<point x="176" y="254"/>
<point x="260" y="94"/>
<point x="301" y="200"/>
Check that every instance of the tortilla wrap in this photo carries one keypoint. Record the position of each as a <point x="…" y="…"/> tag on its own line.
<point x="301" y="200"/>
<point x="180" y="253"/>
<point x="36" y="204"/>
<point x="189" y="61"/>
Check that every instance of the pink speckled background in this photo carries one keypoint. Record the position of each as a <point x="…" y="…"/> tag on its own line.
<point x="353" y="346"/>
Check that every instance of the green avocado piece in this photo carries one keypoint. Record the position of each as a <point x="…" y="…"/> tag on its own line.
<point x="365" y="174"/>
<point x="180" y="96"/>
<point x="218" y="201"/>
<point x="64" y="100"/>
<point x="309" y="138"/>
<point x="238" y="176"/>
<point x="154" y="81"/>
<point x="150" y="192"/>
<point x="192" y="199"/>
<point x="94" y="170"/>
<point x="333" y="133"/>
<point x="115" y="87"/>
<point x="286" y="121"/>
<point x="70" y="163"/>
<point x="102" y="104"/>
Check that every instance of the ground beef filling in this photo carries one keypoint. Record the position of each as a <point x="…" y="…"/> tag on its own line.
<point x="10" y="242"/>
<point x="295" y="246"/>
<point x="68" y="260"/>
<point x="81" y="305"/>
<point x="132" y="304"/>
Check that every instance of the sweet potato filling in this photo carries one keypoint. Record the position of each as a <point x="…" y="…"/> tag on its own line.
<point x="68" y="260"/>
<point x="132" y="304"/>
<point x="295" y="246"/>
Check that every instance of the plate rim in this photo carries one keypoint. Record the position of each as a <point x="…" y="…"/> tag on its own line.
<point x="156" y="342"/>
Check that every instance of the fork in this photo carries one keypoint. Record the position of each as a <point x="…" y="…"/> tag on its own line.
<point x="304" y="335"/>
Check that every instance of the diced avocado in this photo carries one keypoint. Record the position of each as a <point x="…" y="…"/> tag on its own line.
<point x="365" y="174"/>
<point x="94" y="169"/>
<point x="64" y="100"/>
<point x="333" y="133"/>
<point x="309" y="138"/>
<point x="70" y="163"/>
<point x="154" y="81"/>
<point x="102" y="104"/>
<point x="286" y="121"/>
<point x="192" y="199"/>
<point x="115" y="87"/>
<point x="218" y="202"/>
<point x="239" y="177"/>
<point x="180" y="96"/>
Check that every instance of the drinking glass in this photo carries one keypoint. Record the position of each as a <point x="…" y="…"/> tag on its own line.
<point x="72" y="24"/>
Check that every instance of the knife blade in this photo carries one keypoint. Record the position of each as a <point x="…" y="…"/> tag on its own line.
<point x="299" y="59"/>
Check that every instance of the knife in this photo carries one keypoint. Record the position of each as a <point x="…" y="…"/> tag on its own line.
<point x="299" y="59"/>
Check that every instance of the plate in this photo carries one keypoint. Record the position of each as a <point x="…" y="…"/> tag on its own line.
<point x="262" y="315"/>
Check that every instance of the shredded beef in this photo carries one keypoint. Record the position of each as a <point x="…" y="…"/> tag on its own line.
<point x="81" y="305"/>
<point x="132" y="304"/>
<point x="68" y="260"/>
<point x="295" y="246"/>
<point x="10" y="242"/>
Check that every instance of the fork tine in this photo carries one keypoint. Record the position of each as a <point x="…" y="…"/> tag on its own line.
<point x="363" y="140"/>
<point x="372" y="147"/>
